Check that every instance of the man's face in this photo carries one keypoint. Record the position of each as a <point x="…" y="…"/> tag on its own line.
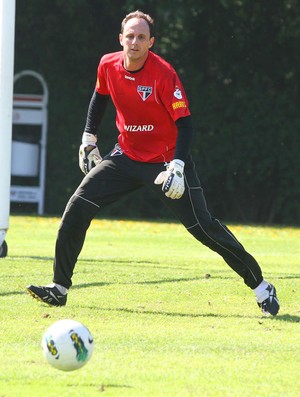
<point x="136" y="40"/>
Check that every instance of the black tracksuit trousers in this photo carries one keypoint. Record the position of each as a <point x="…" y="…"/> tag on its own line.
<point x="118" y="175"/>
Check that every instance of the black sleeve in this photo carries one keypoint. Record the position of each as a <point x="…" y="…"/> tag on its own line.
<point x="184" y="139"/>
<point x="95" y="112"/>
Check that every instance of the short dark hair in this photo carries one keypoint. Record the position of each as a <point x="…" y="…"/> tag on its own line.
<point x="141" y="15"/>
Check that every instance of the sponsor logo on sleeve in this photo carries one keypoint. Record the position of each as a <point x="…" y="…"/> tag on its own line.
<point x="178" y="93"/>
<point x="179" y="104"/>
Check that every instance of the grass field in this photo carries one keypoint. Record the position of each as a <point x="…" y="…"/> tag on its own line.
<point x="168" y="316"/>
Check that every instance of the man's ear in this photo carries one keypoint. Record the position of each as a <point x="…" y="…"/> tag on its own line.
<point x="151" y="42"/>
<point x="121" y="39"/>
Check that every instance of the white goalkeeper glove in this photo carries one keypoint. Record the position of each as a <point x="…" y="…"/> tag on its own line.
<point x="89" y="154"/>
<point x="172" y="179"/>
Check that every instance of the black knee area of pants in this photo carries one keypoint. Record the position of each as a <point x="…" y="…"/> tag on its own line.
<point x="216" y="237"/>
<point x="78" y="214"/>
<point x="203" y="234"/>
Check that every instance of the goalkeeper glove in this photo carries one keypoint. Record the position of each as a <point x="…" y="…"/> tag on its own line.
<point x="172" y="179"/>
<point x="89" y="154"/>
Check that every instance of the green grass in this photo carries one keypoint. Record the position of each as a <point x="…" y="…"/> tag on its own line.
<point x="162" y="327"/>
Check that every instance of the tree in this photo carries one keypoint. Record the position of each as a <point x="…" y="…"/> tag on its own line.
<point x="240" y="64"/>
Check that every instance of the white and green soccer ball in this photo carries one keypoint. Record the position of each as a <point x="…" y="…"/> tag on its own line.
<point x="67" y="345"/>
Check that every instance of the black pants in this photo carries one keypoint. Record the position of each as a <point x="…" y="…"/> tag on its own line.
<point x="118" y="175"/>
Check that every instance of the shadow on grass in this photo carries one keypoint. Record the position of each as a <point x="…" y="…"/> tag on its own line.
<point x="142" y="262"/>
<point x="161" y="313"/>
<point x="166" y="280"/>
<point x="285" y="317"/>
<point x="288" y="318"/>
<point x="27" y="257"/>
<point x="281" y="317"/>
<point x="94" y="260"/>
<point x="103" y="284"/>
<point x="106" y="260"/>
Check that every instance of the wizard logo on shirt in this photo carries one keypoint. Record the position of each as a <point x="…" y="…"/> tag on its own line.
<point x="144" y="92"/>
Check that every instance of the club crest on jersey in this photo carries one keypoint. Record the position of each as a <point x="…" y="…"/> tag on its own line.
<point x="144" y="91"/>
<point x="117" y="151"/>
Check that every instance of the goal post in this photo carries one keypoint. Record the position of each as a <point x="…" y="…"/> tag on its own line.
<point x="7" y="38"/>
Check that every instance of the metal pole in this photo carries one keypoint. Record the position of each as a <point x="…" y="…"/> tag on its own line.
<point x="7" y="38"/>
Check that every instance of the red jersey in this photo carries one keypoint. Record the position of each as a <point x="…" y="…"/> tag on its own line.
<point x="147" y="102"/>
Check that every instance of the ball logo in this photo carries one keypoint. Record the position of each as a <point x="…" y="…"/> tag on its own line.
<point x="52" y="348"/>
<point x="81" y="350"/>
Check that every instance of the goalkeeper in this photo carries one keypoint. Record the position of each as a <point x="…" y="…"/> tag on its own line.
<point x="153" y="149"/>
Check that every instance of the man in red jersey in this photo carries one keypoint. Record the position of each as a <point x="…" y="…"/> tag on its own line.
<point x="153" y="149"/>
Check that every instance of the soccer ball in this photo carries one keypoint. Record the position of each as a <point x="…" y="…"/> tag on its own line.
<point x="67" y="345"/>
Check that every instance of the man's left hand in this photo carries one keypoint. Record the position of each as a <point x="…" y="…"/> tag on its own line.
<point x="172" y="179"/>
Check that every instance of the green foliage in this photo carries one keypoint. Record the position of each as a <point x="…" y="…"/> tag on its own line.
<point x="239" y="61"/>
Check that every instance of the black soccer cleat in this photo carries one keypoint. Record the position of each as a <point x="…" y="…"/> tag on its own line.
<point x="270" y="304"/>
<point x="49" y="295"/>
